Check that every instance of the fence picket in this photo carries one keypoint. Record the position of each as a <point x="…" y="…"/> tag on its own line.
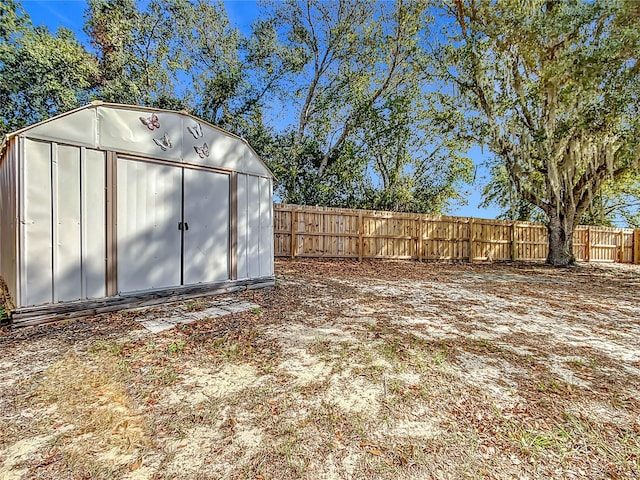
<point x="308" y="231"/>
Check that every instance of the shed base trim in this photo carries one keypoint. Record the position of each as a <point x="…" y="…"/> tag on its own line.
<point x="30" y="316"/>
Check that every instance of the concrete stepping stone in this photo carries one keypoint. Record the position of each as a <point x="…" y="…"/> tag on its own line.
<point x="219" y="309"/>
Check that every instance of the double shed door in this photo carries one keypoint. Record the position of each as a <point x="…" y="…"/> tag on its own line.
<point x="172" y="226"/>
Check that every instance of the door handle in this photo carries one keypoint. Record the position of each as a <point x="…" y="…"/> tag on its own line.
<point x="186" y="226"/>
<point x="183" y="226"/>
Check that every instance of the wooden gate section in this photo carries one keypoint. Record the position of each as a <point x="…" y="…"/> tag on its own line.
<point x="306" y="231"/>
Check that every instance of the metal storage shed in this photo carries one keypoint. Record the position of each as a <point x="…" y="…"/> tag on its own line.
<point x="111" y="204"/>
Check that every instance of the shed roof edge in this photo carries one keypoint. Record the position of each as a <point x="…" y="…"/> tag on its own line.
<point x="98" y="103"/>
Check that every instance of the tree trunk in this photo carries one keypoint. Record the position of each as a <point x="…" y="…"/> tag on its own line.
<point x="560" y="230"/>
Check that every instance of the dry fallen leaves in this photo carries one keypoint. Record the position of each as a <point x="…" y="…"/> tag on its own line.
<point x="135" y="465"/>
<point x="371" y="448"/>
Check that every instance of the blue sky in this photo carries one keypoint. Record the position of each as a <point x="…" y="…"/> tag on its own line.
<point x="69" y="14"/>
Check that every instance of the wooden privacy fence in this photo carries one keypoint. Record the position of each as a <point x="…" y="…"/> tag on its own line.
<point x="304" y="231"/>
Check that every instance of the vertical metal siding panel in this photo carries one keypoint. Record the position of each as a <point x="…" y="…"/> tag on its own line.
<point x="266" y="228"/>
<point x="54" y="212"/>
<point x="253" y="227"/>
<point x="94" y="223"/>
<point x="36" y="226"/>
<point x="269" y="199"/>
<point x="149" y="209"/>
<point x="67" y="282"/>
<point x="9" y="218"/>
<point x="243" y="221"/>
<point x="22" y="268"/>
<point x="206" y="211"/>
<point x="6" y="188"/>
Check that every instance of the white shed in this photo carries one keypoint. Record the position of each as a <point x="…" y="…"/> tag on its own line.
<point x="111" y="205"/>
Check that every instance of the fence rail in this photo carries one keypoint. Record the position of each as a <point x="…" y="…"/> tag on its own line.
<point x="305" y="231"/>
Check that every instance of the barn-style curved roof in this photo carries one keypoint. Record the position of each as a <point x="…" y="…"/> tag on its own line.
<point x="151" y="133"/>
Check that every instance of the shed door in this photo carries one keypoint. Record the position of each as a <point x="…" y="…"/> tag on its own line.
<point x="149" y="200"/>
<point x="206" y="214"/>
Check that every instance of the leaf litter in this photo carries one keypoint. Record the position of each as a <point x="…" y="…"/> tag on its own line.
<point x="384" y="370"/>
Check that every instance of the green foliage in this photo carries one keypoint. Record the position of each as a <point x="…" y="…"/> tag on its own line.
<point x="617" y="201"/>
<point x="137" y="50"/>
<point x="365" y="131"/>
<point x="43" y="74"/>
<point x="501" y="192"/>
<point x="552" y="88"/>
<point x="13" y="21"/>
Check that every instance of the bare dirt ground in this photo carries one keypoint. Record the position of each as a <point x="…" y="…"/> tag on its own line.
<point x="379" y="370"/>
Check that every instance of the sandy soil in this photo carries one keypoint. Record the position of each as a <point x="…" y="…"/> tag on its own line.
<point x="383" y="370"/>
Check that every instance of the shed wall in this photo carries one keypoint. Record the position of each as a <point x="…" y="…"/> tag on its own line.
<point x="66" y="221"/>
<point x="121" y="130"/>
<point x="242" y="226"/>
<point x="255" y="227"/>
<point x="36" y="285"/>
<point x="266" y="227"/>
<point x="63" y="229"/>
<point x="94" y="248"/>
<point x="9" y="218"/>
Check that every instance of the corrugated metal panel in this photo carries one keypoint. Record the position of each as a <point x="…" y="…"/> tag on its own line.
<point x="67" y="258"/>
<point x="223" y="151"/>
<point x="175" y="137"/>
<point x="242" y="225"/>
<point x="151" y="133"/>
<point x="9" y="218"/>
<point x="253" y="227"/>
<point x="139" y="132"/>
<point x="134" y="130"/>
<point x="206" y="212"/>
<point x="93" y="223"/>
<point x="149" y="209"/>
<point x="266" y="228"/>
<point x="36" y="226"/>
<point x="78" y="128"/>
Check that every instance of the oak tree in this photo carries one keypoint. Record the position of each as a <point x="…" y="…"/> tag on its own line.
<point x="552" y="86"/>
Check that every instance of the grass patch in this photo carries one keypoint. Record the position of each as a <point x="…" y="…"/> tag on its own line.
<point x="93" y="410"/>
<point x="112" y="348"/>
<point x="196" y="305"/>
<point x="177" y="346"/>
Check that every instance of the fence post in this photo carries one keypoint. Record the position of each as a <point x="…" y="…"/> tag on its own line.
<point x="621" y="250"/>
<point x="294" y="229"/>
<point x="514" y="246"/>
<point x="471" y="235"/>
<point x="420" y="242"/>
<point x="360" y="242"/>
<point x="587" y="247"/>
<point x="636" y="247"/>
